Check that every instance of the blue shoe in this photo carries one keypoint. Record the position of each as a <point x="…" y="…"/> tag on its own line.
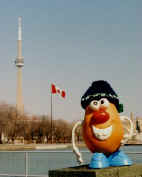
<point x="119" y="158"/>
<point x="99" y="160"/>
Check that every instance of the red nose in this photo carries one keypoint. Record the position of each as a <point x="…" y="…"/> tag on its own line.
<point x="100" y="116"/>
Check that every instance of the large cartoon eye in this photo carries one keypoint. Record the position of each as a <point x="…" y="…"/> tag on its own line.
<point x="94" y="105"/>
<point x="104" y="102"/>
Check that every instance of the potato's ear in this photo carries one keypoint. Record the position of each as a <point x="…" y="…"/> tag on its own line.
<point x="120" y="108"/>
<point x="88" y="110"/>
<point x="128" y="129"/>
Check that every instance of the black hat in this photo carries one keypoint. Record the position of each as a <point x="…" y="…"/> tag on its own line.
<point x="101" y="89"/>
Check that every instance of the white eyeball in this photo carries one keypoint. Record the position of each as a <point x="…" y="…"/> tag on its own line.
<point x="94" y="105"/>
<point x="104" y="102"/>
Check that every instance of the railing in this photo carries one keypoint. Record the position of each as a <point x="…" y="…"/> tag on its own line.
<point x="32" y="162"/>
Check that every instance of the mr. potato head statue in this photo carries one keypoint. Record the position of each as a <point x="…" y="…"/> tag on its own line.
<point x="102" y="127"/>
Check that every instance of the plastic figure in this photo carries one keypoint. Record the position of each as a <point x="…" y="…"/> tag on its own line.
<point x="103" y="128"/>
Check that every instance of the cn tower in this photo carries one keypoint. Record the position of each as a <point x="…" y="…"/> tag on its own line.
<point x="19" y="62"/>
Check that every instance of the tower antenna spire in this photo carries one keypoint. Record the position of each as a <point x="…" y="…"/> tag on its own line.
<point x="20" y="28"/>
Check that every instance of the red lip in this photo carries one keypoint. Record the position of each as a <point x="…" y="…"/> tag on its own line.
<point x="100" y="116"/>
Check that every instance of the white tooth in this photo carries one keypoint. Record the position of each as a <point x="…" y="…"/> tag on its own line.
<point x="102" y="134"/>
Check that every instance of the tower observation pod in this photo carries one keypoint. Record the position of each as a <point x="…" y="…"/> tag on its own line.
<point x="19" y="62"/>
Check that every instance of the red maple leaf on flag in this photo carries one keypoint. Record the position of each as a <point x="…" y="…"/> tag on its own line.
<point x="57" y="90"/>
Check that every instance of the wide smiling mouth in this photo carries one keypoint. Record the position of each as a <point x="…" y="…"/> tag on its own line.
<point x="102" y="134"/>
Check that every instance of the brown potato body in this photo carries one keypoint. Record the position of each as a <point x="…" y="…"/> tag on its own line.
<point x="109" y="145"/>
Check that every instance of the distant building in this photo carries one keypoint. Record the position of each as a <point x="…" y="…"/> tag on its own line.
<point x="137" y="123"/>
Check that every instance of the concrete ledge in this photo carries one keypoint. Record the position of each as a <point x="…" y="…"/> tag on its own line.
<point x="83" y="171"/>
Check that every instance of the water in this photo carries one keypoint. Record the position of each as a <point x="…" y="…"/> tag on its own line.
<point x="39" y="162"/>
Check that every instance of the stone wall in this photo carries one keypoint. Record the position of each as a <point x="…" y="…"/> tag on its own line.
<point x="83" y="171"/>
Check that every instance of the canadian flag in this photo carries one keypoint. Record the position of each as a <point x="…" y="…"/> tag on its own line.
<point x="57" y="90"/>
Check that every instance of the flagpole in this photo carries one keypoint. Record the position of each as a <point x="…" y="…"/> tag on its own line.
<point x="51" y="121"/>
<point x="54" y="90"/>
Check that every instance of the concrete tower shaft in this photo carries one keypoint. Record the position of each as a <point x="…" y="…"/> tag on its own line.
<point x="19" y="99"/>
<point x="19" y="62"/>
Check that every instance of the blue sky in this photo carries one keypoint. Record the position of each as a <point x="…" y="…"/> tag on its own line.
<point x="72" y="43"/>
